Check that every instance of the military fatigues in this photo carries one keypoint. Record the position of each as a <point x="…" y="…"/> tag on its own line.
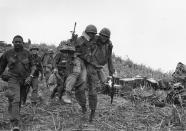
<point x="39" y="69"/>
<point x="102" y="55"/>
<point x="84" y="47"/>
<point x="69" y="69"/>
<point x="19" y="67"/>
<point x="95" y="55"/>
<point x="180" y="75"/>
<point x="47" y="65"/>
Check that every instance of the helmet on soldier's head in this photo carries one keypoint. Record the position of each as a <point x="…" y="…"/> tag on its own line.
<point x="105" y="32"/>
<point x="50" y="51"/>
<point x="66" y="46"/>
<point x="91" y="29"/>
<point x="34" y="47"/>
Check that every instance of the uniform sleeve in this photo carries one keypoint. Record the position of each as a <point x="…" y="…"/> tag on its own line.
<point x="56" y="60"/>
<point x="110" y="63"/>
<point x="40" y="66"/>
<point x="3" y="63"/>
<point x="32" y="64"/>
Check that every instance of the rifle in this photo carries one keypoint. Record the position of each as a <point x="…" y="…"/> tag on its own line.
<point x="112" y="90"/>
<point x="74" y="36"/>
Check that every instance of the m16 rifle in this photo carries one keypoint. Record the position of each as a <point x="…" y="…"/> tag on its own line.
<point x="74" y="35"/>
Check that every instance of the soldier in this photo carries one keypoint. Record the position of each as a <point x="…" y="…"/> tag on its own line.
<point x="180" y="74"/>
<point x="20" y="72"/>
<point x="39" y="70"/>
<point x="84" y="45"/>
<point x="102" y="53"/>
<point x="67" y="68"/>
<point x="47" y="62"/>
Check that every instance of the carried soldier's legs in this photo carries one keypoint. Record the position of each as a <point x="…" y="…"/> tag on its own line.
<point x="13" y="95"/>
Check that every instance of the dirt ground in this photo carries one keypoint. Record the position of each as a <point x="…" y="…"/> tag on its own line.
<point x="121" y="115"/>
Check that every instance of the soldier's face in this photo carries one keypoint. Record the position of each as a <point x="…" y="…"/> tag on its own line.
<point x="91" y="35"/>
<point x="18" y="43"/>
<point x="34" y="51"/>
<point x="103" y="38"/>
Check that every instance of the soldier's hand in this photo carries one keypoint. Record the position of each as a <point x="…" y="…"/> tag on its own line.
<point x="41" y="78"/>
<point x="28" y="80"/>
<point x="55" y="70"/>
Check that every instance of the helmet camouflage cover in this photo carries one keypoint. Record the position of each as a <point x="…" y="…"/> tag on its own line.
<point x="34" y="47"/>
<point x="105" y="32"/>
<point x="66" y="46"/>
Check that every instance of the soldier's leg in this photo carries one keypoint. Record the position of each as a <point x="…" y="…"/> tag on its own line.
<point x="54" y="92"/>
<point x="34" y="94"/>
<point x="13" y="95"/>
<point x="81" y="97"/>
<point x="60" y="86"/>
<point x="92" y="83"/>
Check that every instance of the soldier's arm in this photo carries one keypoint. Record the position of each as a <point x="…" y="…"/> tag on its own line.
<point x="3" y="63"/>
<point x="32" y="65"/>
<point x="56" y="60"/>
<point x="40" y="65"/>
<point x="110" y="63"/>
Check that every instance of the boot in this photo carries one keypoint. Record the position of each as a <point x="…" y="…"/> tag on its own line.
<point x="92" y="115"/>
<point x="67" y="98"/>
<point x="84" y="109"/>
<point x="15" y="125"/>
<point x="15" y="129"/>
<point x="53" y="93"/>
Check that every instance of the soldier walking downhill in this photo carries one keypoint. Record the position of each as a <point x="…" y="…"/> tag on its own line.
<point x="68" y="70"/>
<point x="20" y="72"/>
<point x="102" y="53"/>
<point x="39" y="70"/>
<point x="84" y="45"/>
<point x="47" y="61"/>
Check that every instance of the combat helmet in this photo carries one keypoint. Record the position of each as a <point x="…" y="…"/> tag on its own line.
<point x="34" y="47"/>
<point x="91" y="29"/>
<point x="105" y="32"/>
<point x="66" y="46"/>
<point x="50" y="51"/>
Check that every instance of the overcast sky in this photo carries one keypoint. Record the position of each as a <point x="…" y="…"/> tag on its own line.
<point x="149" y="32"/>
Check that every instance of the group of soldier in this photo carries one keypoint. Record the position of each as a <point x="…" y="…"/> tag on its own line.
<point x="77" y="65"/>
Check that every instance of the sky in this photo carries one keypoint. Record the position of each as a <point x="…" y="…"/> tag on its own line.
<point x="149" y="32"/>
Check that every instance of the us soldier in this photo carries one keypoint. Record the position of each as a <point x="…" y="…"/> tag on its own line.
<point x="20" y="72"/>
<point x="84" y="45"/>
<point x="180" y="74"/>
<point x="47" y="62"/>
<point x="39" y="70"/>
<point x="68" y="69"/>
<point x="102" y="53"/>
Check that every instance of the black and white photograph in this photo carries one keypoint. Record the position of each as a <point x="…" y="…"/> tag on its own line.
<point x="92" y="65"/>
